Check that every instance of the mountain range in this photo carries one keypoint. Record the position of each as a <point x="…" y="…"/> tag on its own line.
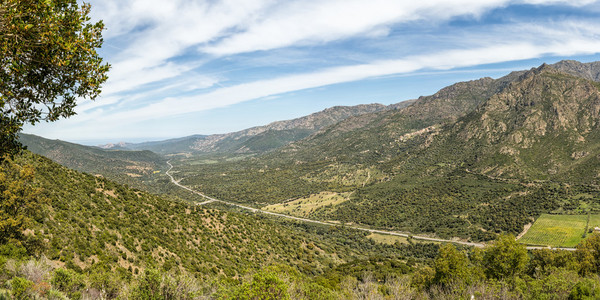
<point x="475" y="159"/>
<point x="260" y="138"/>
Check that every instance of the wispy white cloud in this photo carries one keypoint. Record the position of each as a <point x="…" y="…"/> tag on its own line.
<point x="442" y="61"/>
<point x="317" y="21"/>
<point x="159" y="31"/>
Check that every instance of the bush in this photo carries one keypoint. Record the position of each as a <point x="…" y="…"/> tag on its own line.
<point x="264" y="286"/>
<point x="11" y="250"/>
<point x="21" y="288"/>
<point x="505" y="258"/>
<point x="68" y="282"/>
<point x="107" y="283"/>
<point x="313" y="290"/>
<point x="149" y="286"/>
<point x="56" y="295"/>
<point x="450" y="265"/>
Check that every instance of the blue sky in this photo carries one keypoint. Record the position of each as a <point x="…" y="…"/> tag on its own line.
<point x="183" y="67"/>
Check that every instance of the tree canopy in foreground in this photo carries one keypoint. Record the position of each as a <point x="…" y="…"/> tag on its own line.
<point x="48" y="60"/>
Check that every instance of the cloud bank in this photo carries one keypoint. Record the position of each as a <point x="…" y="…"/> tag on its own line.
<point x="183" y="56"/>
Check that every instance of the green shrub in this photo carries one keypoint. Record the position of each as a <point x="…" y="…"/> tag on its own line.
<point x="313" y="290"/>
<point x="505" y="258"/>
<point x="4" y="295"/>
<point x="149" y="287"/>
<point x="107" y="283"/>
<point x="451" y="265"/>
<point x="11" y="250"/>
<point x="21" y="288"/>
<point x="264" y="286"/>
<point x="56" y="295"/>
<point x="68" y="282"/>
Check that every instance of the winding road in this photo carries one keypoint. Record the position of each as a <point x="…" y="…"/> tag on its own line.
<point x="256" y="210"/>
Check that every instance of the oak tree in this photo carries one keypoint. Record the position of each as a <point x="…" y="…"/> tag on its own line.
<point x="505" y="258"/>
<point x="48" y="60"/>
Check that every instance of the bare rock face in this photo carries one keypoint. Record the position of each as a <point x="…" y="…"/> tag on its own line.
<point x="546" y="123"/>
<point x="543" y="100"/>
<point x="589" y="71"/>
<point x="579" y="154"/>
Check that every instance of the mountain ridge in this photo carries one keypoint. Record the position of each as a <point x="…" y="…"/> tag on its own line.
<point x="281" y="133"/>
<point x="260" y="138"/>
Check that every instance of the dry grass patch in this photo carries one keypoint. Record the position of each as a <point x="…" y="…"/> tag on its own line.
<point x="387" y="239"/>
<point x="303" y="207"/>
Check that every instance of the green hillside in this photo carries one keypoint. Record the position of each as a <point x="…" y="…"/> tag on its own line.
<point x="91" y="218"/>
<point x="136" y="168"/>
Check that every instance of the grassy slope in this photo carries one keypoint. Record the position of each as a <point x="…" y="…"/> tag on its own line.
<point x="305" y="206"/>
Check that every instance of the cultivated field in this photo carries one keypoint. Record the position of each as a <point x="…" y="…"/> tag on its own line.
<point x="559" y="230"/>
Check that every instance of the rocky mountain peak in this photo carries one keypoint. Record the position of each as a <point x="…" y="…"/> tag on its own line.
<point x="589" y="71"/>
<point x="540" y="125"/>
<point x="543" y="99"/>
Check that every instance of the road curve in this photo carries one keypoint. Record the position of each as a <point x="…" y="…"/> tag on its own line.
<point x="256" y="210"/>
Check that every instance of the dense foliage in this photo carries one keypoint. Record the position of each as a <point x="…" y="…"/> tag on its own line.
<point x="503" y="270"/>
<point x="48" y="58"/>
